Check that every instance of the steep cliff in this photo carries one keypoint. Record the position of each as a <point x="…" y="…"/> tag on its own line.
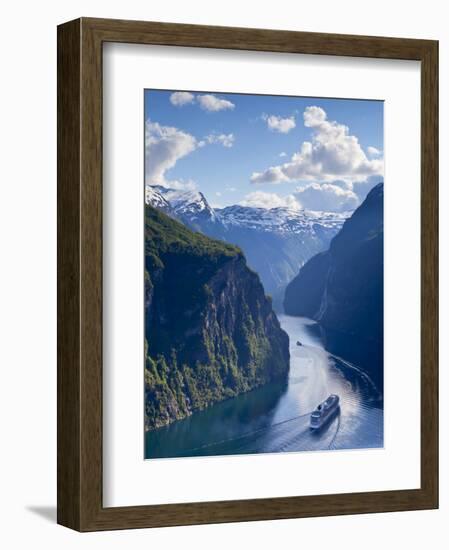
<point x="210" y="330"/>
<point x="343" y="288"/>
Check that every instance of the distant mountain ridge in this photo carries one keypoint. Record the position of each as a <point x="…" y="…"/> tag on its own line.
<point x="280" y="219"/>
<point x="342" y="288"/>
<point x="276" y="241"/>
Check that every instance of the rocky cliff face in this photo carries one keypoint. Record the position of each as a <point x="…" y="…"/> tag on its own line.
<point x="210" y="330"/>
<point x="343" y="288"/>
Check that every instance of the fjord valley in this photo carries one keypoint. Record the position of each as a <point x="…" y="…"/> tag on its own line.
<point x="224" y="373"/>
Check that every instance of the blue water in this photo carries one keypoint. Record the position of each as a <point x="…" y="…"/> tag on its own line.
<point x="275" y="418"/>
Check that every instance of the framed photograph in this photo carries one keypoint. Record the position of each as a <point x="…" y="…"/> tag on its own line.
<point x="237" y="340"/>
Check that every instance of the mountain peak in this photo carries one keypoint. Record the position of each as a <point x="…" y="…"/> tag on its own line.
<point x="155" y="198"/>
<point x="189" y="203"/>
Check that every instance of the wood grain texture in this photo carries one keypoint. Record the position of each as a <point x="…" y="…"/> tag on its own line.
<point x="80" y="274"/>
<point x="69" y="407"/>
<point x="429" y="271"/>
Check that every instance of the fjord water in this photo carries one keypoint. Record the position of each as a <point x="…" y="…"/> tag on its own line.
<point x="275" y="417"/>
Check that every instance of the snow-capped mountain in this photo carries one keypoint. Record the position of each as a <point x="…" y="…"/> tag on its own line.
<point x="154" y="197"/>
<point x="276" y="242"/>
<point x="189" y="206"/>
<point x="279" y="219"/>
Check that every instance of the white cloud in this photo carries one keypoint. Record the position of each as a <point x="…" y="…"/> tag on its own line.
<point x="261" y="199"/>
<point x="314" y="116"/>
<point x="279" y="124"/>
<point x="208" y="102"/>
<point x="212" y="103"/>
<point x="274" y="174"/>
<point x="374" y="151"/>
<point x="164" y="146"/>
<point x="283" y="154"/>
<point x="181" y="98"/>
<point x="227" y="140"/>
<point x="327" y="196"/>
<point x="332" y="154"/>
<point x="231" y="189"/>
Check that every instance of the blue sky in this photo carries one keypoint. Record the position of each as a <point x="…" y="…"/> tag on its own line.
<point x="322" y="154"/>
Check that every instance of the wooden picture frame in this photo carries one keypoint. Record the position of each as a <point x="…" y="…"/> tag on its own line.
<point x="80" y="351"/>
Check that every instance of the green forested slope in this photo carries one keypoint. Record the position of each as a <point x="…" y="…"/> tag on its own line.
<point x="210" y="330"/>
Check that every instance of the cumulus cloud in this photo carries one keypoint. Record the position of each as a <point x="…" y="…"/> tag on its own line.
<point x="274" y="174"/>
<point x="181" y="98"/>
<point x="164" y="146"/>
<point x="261" y="199"/>
<point x="283" y="154"/>
<point x="279" y="124"/>
<point x="212" y="103"/>
<point x="333" y="153"/>
<point x="374" y="151"/>
<point x="327" y="196"/>
<point x="208" y="102"/>
<point x="227" y="140"/>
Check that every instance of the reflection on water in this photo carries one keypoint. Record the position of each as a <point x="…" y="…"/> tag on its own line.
<point x="275" y="418"/>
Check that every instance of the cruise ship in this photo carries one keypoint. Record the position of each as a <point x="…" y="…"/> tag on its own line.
<point x="324" y="412"/>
